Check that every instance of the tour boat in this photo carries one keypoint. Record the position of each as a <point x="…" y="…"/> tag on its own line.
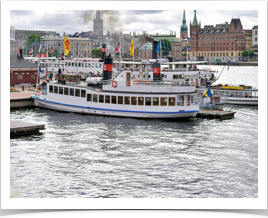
<point x="237" y="94"/>
<point x="123" y="96"/>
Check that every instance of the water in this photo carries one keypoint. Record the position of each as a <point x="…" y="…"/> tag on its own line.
<point x="83" y="156"/>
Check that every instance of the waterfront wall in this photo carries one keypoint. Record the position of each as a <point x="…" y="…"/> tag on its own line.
<point x="22" y="102"/>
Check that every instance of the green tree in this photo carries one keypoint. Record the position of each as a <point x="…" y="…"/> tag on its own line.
<point x="31" y="40"/>
<point x="245" y="53"/>
<point x="251" y="53"/>
<point x="166" y="47"/>
<point x="96" y="53"/>
<point x="55" y="52"/>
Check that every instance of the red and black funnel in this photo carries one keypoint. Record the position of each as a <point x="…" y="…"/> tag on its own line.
<point x="107" y="68"/>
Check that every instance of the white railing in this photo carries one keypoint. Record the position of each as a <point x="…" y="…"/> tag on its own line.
<point x="151" y="83"/>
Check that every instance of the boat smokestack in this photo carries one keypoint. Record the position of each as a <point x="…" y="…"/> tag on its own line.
<point x="156" y="71"/>
<point x="107" y="68"/>
<point x="103" y="51"/>
<point x="154" y="54"/>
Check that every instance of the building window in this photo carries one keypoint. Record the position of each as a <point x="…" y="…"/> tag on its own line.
<point x="231" y="53"/>
<point x="255" y="39"/>
<point x="255" y="32"/>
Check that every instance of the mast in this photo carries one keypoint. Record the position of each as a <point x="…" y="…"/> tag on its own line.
<point x="133" y="54"/>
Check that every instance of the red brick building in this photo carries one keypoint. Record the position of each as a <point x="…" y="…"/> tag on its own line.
<point x="22" y="71"/>
<point x="222" y="42"/>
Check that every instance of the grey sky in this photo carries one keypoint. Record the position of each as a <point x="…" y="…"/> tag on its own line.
<point x="151" y="21"/>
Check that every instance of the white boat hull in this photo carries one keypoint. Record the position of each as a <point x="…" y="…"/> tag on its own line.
<point x="243" y="101"/>
<point x="110" y="112"/>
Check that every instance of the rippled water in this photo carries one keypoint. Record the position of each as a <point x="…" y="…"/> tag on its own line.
<point x="92" y="156"/>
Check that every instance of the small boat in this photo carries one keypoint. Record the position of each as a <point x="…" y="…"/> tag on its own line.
<point x="236" y="94"/>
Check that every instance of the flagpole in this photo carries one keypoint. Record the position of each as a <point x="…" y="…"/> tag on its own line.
<point x="133" y="54"/>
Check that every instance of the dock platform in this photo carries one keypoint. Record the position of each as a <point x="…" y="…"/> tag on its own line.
<point x="215" y="114"/>
<point x="23" y="128"/>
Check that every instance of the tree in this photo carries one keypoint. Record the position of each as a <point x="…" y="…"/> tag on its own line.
<point x="96" y="53"/>
<point x="245" y="53"/>
<point x="31" y="40"/>
<point x="166" y="47"/>
<point x="251" y="53"/>
<point x="55" y="52"/>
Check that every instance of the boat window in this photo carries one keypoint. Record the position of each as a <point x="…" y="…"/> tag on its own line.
<point x="133" y="100"/>
<point x="56" y="89"/>
<point x="114" y="99"/>
<point x="89" y="64"/>
<point x="120" y="99"/>
<point x="148" y="101"/>
<point x="188" y="100"/>
<point x="175" y="76"/>
<point x="51" y="89"/>
<point x="83" y="93"/>
<point x="100" y="65"/>
<point x="101" y="100"/>
<point x="89" y="97"/>
<point x="155" y="101"/>
<point x="77" y="92"/>
<point x="192" y="99"/>
<point x="180" y="100"/>
<point x="82" y="64"/>
<point x="163" y="101"/>
<point x="127" y="100"/>
<point x="95" y="98"/>
<point x="71" y="91"/>
<point x="171" y="101"/>
<point x="69" y="64"/>
<point x="85" y="64"/>
<point x="140" y="100"/>
<point x="61" y="90"/>
<point x="66" y="91"/>
<point x="79" y="64"/>
<point x="73" y="64"/>
<point x="107" y="99"/>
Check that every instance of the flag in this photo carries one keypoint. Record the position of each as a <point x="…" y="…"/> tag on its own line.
<point x="117" y="49"/>
<point x="67" y="46"/>
<point x="158" y="47"/>
<point x="18" y="52"/>
<point x="40" y="48"/>
<point x="188" y="43"/>
<point x="131" y="48"/>
<point x="51" y="51"/>
<point x="31" y="50"/>
<point x="39" y="70"/>
<point x="208" y="93"/>
<point x="228" y="64"/>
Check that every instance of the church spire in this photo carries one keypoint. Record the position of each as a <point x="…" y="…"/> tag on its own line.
<point x="195" y="19"/>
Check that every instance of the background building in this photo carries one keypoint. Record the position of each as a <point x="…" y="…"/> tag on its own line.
<point x="12" y="33"/>
<point x="23" y="34"/>
<point x="222" y="42"/>
<point x="14" y="46"/>
<point x="184" y="28"/>
<point x="98" y="25"/>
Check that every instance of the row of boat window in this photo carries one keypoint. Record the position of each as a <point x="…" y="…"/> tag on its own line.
<point x="123" y="100"/>
<point x="136" y="100"/>
<point x="73" y="64"/>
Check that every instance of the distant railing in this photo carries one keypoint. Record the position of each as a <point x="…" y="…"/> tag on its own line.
<point x="151" y="83"/>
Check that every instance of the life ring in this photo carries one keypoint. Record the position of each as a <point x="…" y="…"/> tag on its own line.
<point x="114" y="84"/>
<point x="200" y="94"/>
<point x="135" y="82"/>
<point x="38" y="93"/>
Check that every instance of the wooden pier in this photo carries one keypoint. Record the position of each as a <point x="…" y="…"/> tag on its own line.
<point x="215" y="114"/>
<point x="23" y="128"/>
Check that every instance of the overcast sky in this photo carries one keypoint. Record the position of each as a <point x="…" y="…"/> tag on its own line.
<point x="151" y="21"/>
